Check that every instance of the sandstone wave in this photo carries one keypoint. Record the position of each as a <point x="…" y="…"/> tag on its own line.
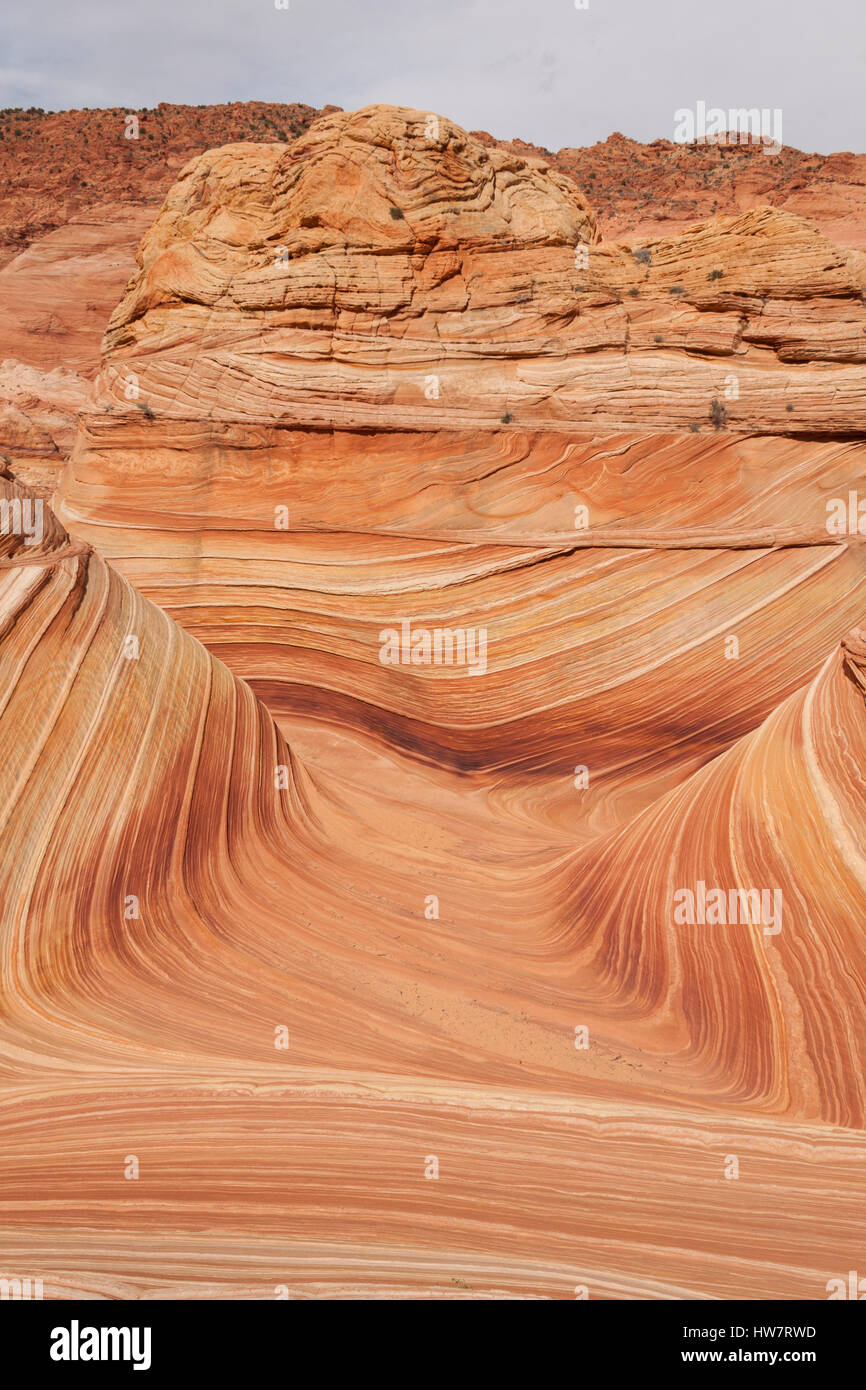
<point x="432" y="732"/>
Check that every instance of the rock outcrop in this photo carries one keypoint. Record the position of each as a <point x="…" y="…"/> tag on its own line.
<point x="388" y="375"/>
<point x="79" y="195"/>
<point x="80" y="190"/>
<point x="431" y="734"/>
<point x="646" y="190"/>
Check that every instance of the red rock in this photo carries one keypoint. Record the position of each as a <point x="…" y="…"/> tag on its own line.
<point x="436" y="875"/>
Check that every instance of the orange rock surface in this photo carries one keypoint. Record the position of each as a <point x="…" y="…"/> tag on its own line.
<point x="406" y="976"/>
<point x="428" y="401"/>
<point x="79" y="195"/>
<point x="646" y="190"/>
<point x="168" y="909"/>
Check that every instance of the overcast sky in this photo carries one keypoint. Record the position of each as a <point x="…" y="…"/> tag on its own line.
<point x="539" y="69"/>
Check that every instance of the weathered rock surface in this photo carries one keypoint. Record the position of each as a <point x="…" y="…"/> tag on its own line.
<point x="427" y="402"/>
<point x="171" y="910"/>
<point x="450" y="324"/>
<point x="387" y="377"/>
<point x="57" y="164"/>
<point x="649" y="190"/>
<point x="79" y="195"/>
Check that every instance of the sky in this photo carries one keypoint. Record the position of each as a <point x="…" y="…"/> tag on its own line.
<point x="542" y="70"/>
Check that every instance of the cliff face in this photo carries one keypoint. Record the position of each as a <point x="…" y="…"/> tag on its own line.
<point x="440" y="752"/>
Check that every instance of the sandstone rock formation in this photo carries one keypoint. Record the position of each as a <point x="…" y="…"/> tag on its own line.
<point x="172" y="911"/>
<point x="79" y="195"/>
<point x="645" y="190"/>
<point x="57" y="164"/>
<point x="472" y="415"/>
<point x="455" y="761"/>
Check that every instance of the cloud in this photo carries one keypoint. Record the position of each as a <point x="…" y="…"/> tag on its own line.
<point x="539" y="69"/>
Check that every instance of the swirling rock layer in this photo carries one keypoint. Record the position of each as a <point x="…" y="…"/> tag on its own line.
<point x="168" y="909"/>
<point x="410" y="350"/>
<point x="519" y="975"/>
